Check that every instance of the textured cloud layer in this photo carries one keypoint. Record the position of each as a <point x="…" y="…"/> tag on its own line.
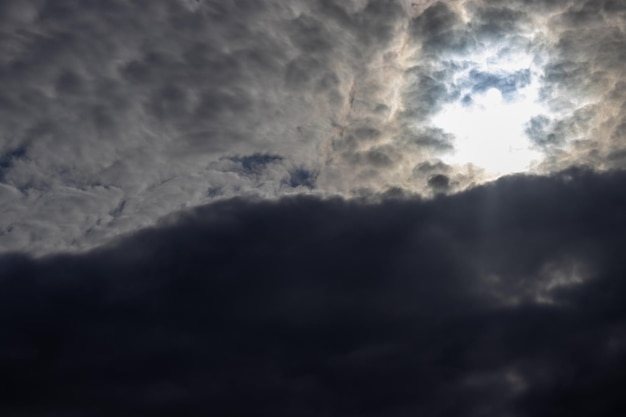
<point x="115" y="113"/>
<point x="503" y="300"/>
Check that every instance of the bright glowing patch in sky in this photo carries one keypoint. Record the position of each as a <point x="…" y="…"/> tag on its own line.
<point x="498" y="96"/>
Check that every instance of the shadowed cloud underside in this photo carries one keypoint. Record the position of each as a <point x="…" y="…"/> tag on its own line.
<point x="503" y="300"/>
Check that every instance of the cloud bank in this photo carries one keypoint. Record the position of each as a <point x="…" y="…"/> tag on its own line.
<point x="503" y="300"/>
<point x="279" y="208"/>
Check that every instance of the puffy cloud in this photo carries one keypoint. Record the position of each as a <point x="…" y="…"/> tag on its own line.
<point x="117" y="113"/>
<point x="145" y="102"/>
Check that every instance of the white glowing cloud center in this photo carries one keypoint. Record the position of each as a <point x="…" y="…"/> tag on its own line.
<point x="490" y="117"/>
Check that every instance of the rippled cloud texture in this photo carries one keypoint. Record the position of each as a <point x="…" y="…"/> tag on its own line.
<point x="116" y="113"/>
<point x="260" y="208"/>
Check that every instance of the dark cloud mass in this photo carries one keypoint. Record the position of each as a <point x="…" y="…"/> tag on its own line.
<point x="503" y="300"/>
<point x="284" y="208"/>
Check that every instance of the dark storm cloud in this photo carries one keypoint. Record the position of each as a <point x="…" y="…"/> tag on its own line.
<point x="506" y="299"/>
<point x="503" y="300"/>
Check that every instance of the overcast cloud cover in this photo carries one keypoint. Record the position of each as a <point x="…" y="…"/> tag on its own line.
<point x="248" y="208"/>
<point x="506" y="300"/>
<point x="114" y="113"/>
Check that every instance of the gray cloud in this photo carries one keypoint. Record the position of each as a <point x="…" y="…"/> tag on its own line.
<point x="239" y="207"/>
<point x="147" y="106"/>
<point x="507" y="297"/>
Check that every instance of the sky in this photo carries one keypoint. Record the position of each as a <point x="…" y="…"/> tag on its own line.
<point x="314" y="208"/>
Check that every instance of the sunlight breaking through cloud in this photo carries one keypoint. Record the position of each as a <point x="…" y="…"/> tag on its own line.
<point x="498" y="95"/>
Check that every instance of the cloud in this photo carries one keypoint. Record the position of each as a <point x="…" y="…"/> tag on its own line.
<point x="439" y="182"/>
<point x="507" y="84"/>
<point x="244" y="207"/>
<point x="146" y="107"/>
<point x="256" y="163"/>
<point x="506" y="298"/>
<point x="144" y="101"/>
